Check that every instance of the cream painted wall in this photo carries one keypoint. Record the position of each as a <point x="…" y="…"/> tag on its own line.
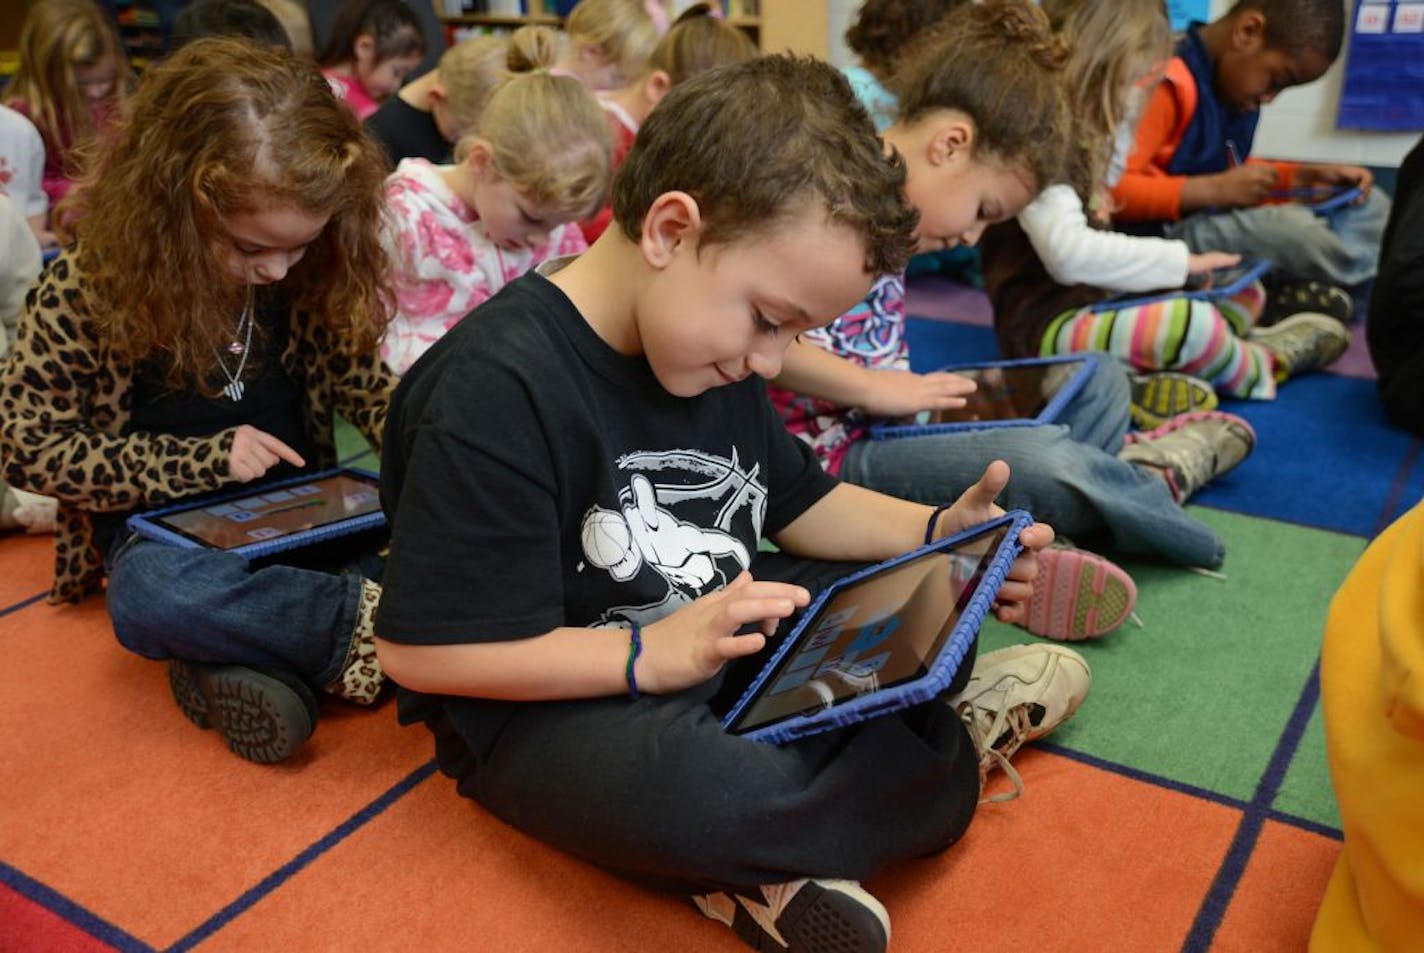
<point x="1300" y="124"/>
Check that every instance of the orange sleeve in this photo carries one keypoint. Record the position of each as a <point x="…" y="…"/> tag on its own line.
<point x="1146" y="192"/>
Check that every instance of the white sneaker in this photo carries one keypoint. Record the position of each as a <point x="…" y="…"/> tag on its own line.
<point x="1017" y="695"/>
<point x="804" y="916"/>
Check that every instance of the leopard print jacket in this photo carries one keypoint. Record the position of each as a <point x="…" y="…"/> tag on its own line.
<point x="64" y="412"/>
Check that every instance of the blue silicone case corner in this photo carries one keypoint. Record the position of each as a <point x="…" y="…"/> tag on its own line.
<point x="1338" y="200"/>
<point x="927" y="686"/>
<point x="1249" y="272"/>
<point x="142" y="523"/>
<point x="1050" y="412"/>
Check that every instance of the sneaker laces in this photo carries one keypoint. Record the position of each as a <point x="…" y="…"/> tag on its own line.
<point x="1009" y="729"/>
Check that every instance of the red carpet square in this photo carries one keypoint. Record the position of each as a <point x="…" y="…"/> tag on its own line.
<point x="1287" y="872"/>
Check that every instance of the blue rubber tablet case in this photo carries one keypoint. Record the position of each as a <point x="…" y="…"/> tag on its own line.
<point x="1225" y="283"/>
<point x="1027" y="392"/>
<point x="258" y="521"/>
<point x="882" y="639"/>
<point x="1321" y="201"/>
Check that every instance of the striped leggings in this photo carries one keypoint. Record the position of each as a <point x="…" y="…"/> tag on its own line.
<point x="1206" y="339"/>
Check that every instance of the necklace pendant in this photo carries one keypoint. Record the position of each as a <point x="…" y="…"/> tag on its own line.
<point x="234" y="390"/>
<point x="236" y="348"/>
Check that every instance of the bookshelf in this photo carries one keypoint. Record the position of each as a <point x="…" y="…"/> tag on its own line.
<point x="801" y="26"/>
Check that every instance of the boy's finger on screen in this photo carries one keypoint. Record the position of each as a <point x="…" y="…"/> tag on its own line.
<point x="737" y="646"/>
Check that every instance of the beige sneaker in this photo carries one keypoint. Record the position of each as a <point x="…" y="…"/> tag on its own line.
<point x="1191" y="450"/>
<point x="1017" y="695"/>
<point x="1303" y="342"/>
<point x="804" y="916"/>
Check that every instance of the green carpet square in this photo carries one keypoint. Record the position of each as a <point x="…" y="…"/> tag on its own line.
<point x="350" y="443"/>
<point x="1202" y="692"/>
<point x="1307" y="792"/>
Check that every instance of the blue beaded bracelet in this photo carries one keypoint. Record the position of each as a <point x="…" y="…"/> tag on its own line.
<point x="635" y="648"/>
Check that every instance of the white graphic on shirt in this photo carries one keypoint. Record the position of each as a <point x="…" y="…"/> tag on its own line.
<point x="687" y="527"/>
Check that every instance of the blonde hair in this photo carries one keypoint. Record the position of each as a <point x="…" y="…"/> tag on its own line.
<point x="471" y="70"/>
<point x="549" y="139"/>
<point x="58" y="39"/>
<point x="1111" y="46"/>
<point x="221" y="128"/>
<point x="697" y="42"/>
<point x="297" y="22"/>
<point x="623" y="29"/>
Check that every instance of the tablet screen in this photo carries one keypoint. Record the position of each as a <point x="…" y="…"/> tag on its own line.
<point x="1011" y="392"/>
<point x="276" y="512"/>
<point x="884" y="630"/>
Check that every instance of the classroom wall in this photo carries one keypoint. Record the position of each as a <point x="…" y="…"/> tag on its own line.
<point x="1299" y="125"/>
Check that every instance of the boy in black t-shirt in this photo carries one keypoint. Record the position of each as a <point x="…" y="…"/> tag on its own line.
<point x="578" y="476"/>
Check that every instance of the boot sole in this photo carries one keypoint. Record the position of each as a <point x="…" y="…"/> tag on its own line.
<point x="1165" y="397"/>
<point x="261" y="718"/>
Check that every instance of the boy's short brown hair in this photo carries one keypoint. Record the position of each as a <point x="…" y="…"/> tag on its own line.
<point x="754" y="142"/>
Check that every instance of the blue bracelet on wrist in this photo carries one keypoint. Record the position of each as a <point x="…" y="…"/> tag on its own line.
<point x="934" y="518"/>
<point x="635" y="648"/>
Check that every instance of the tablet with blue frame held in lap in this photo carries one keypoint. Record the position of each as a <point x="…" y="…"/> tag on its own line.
<point x="1321" y="199"/>
<point x="881" y="639"/>
<point x="254" y="522"/>
<point x="1019" y="393"/>
<point x="1211" y="286"/>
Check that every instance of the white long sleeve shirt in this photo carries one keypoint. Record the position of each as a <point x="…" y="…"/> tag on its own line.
<point x="1074" y="252"/>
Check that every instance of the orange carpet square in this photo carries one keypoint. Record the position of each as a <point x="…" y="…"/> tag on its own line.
<point x="29" y="568"/>
<point x="1287" y="872"/>
<point x="120" y="804"/>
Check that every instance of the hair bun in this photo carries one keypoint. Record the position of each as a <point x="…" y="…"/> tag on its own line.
<point x="1025" y="23"/>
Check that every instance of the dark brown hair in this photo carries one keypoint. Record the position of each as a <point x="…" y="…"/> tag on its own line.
<point x="390" y="24"/>
<point x="221" y="128"/>
<point x="756" y="143"/>
<point x="882" y="28"/>
<point x="999" y="63"/>
<point x="1300" y="27"/>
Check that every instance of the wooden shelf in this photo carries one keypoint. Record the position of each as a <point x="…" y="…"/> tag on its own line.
<point x="777" y="25"/>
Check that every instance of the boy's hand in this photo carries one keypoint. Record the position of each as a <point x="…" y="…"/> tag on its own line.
<point x="1210" y="261"/>
<point x="254" y="452"/>
<point x="692" y="644"/>
<point x="976" y="505"/>
<point x="1332" y="175"/>
<point x="1245" y="185"/>
<point x="901" y="393"/>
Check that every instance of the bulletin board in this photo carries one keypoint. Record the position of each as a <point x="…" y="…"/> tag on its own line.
<point x="1384" y="68"/>
<point x="1183" y="12"/>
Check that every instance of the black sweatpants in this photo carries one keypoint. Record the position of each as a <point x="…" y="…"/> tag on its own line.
<point x="655" y="790"/>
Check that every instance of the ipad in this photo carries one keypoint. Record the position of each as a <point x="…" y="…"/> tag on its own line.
<point x="1320" y="199"/>
<point x="1027" y="392"/>
<point x="1218" y="283"/>
<point x="255" y="522"/>
<point x="882" y="639"/>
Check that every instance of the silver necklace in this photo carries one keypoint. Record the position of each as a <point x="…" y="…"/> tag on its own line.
<point x="235" y="386"/>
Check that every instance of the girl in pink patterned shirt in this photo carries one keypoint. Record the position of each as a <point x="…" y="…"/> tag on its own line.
<point x="374" y="44"/>
<point x="537" y="162"/>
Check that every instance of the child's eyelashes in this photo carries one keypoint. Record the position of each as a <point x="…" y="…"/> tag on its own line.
<point x="762" y="324"/>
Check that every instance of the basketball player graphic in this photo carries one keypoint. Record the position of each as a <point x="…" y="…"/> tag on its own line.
<point x="646" y="534"/>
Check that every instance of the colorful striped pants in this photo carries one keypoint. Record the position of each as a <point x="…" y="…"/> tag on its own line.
<point x="1206" y="339"/>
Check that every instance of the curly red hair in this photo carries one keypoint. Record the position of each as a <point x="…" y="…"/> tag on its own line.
<point x="221" y="128"/>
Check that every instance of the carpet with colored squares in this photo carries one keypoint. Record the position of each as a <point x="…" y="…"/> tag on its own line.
<point x="1187" y="807"/>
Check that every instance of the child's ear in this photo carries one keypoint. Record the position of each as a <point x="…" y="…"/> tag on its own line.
<point x="951" y="139"/>
<point x="672" y="223"/>
<point x="1248" y="31"/>
<point x="656" y="86"/>
<point x="364" y="50"/>
<point x="591" y="54"/>
<point x="480" y="158"/>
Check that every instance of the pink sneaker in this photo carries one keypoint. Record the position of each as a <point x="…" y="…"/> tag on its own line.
<point x="1078" y="595"/>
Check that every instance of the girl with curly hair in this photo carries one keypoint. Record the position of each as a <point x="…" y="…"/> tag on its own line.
<point x="223" y="301"/>
<point x="878" y="37"/>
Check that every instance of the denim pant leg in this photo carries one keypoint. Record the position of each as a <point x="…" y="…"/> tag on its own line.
<point x="1078" y="489"/>
<point x="1099" y="414"/>
<point x="1342" y="249"/>
<point x="206" y="606"/>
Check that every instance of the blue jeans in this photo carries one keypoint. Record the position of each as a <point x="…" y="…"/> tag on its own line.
<point x="207" y="606"/>
<point x="1068" y="475"/>
<point x="1341" y="248"/>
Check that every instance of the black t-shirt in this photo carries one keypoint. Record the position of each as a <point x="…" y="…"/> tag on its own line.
<point x="272" y="401"/>
<point x="406" y="132"/>
<point x="536" y="478"/>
